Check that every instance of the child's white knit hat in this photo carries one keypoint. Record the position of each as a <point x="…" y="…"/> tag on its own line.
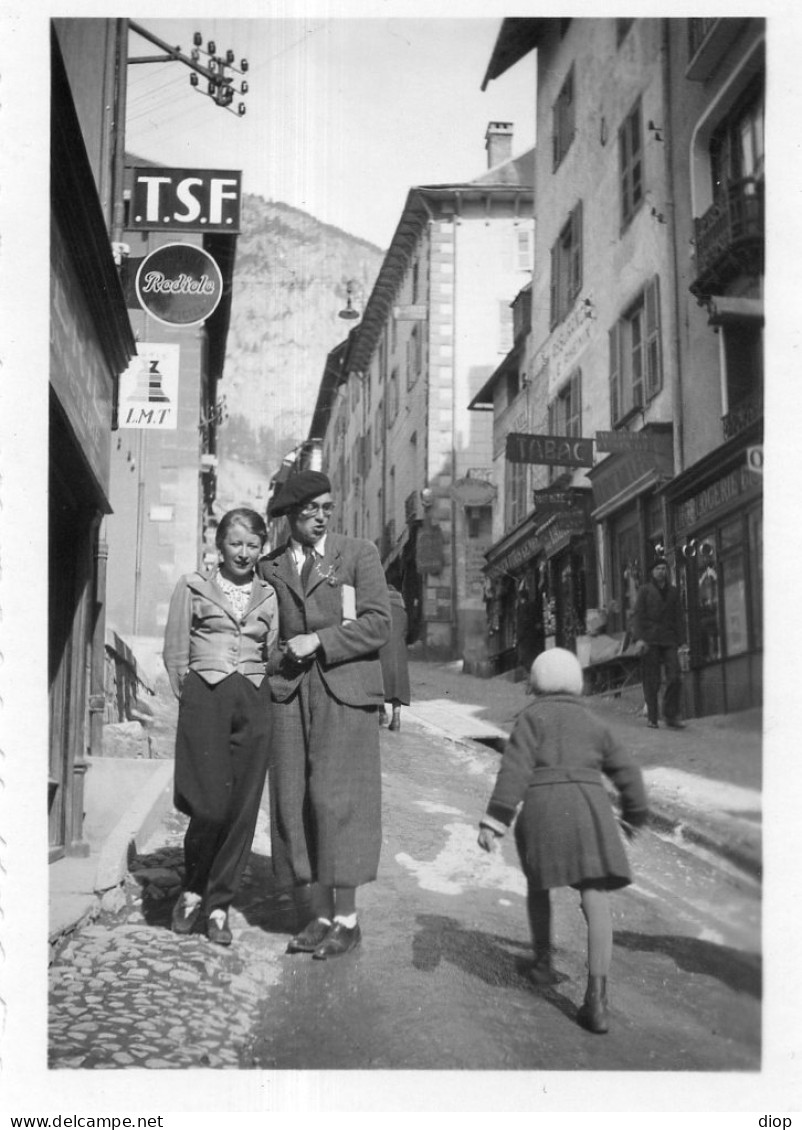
<point x="556" y="671"/>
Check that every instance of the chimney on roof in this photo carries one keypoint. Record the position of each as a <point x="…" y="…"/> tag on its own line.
<point x="498" y="143"/>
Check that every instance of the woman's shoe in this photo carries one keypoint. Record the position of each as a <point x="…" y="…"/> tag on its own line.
<point x="593" y="1013"/>
<point x="396" y="722"/>
<point x="217" y="928"/>
<point x="186" y="912"/>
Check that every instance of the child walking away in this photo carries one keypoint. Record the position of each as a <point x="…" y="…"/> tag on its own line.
<point x="566" y="831"/>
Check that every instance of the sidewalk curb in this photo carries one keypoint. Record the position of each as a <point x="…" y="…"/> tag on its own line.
<point x="139" y="821"/>
<point x="662" y="819"/>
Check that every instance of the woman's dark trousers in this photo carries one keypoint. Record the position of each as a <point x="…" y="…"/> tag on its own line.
<point x="221" y="756"/>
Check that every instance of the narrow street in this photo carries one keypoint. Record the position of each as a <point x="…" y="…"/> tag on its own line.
<point x="439" y="980"/>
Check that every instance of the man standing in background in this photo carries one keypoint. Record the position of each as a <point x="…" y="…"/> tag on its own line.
<point x="657" y="627"/>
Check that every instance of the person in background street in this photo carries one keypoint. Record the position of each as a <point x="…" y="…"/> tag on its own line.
<point x="218" y="637"/>
<point x="326" y="683"/>
<point x="657" y="629"/>
<point x="566" y="831"/>
<point x="395" y="667"/>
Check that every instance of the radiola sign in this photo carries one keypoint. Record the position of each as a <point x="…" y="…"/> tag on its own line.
<point x="179" y="284"/>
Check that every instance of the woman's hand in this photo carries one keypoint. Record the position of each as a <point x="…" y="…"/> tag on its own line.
<point x="487" y="839"/>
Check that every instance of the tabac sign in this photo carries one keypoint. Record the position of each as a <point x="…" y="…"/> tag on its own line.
<point x="149" y="388"/>
<point x="206" y="200"/>
<point x="179" y="284"/>
<point x="558" y="451"/>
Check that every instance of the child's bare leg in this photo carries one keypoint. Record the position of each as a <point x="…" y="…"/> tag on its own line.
<point x="596" y="909"/>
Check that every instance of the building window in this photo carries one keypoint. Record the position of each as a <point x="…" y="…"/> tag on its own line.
<point x="392" y="397"/>
<point x="515" y="491"/>
<point x="636" y="372"/>
<point x="565" y="413"/>
<point x="379" y="427"/>
<point x="382" y="365"/>
<point x="737" y="146"/>
<point x="393" y="334"/>
<point x="524" y="249"/>
<point x="566" y="267"/>
<point x="621" y="29"/>
<point x="513" y="385"/>
<point x="563" y="121"/>
<point x="505" y="334"/>
<point x="414" y="356"/>
<point x="367" y="452"/>
<point x="415" y="279"/>
<point x="630" y="149"/>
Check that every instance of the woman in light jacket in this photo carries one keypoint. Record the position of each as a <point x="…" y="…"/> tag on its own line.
<point x="219" y="633"/>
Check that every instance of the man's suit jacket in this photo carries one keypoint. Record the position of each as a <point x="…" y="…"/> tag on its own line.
<point x="348" y="655"/>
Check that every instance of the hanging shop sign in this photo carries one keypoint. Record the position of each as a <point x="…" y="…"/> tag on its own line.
<point x="473" y="492"/>
<point x="625" y="441"/>
<point x="179" y="284"/>
<point x="558" y="451"/>
<point x="410" y="313"/>
<point x="716" y="497"/>
<point x="754" y="458"/>
<point x="206" y="200"/>
<point x="148" y="396"/>
<point x="429" y="550"/>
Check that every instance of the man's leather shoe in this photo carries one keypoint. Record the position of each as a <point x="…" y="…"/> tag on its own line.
<point x="674" y="724"/>
<point x="217" y="928"/>
<point x="339" y="940"/>
<point x="653" y="725"/>
<point x="185" y="916"/>
<point x="310" y="937"/>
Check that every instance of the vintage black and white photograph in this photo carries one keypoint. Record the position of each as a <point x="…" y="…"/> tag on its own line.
<point x="402" y="380"/>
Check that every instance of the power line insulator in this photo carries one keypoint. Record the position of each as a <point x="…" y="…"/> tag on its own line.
<point x="193" y="79"/>
<point x="243" y="66"/>
<point x="241" y="109"/>
<point x="211" y="47"/>
<point x="197" y="39"/>
<point x="230" y="56"/>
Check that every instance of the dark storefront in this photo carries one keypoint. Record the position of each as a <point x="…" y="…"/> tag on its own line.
<point x="717" y="516"/>
<point x="541" y="580"/>
<point x="90" y="344"/>
<point x="631" y="510"/>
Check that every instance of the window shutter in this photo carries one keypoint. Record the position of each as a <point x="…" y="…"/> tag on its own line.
<point x="554" y="280"/>
<point x="615" y="373"/>
<point x="654" y="367"/>
<point x="576" y="251"/>
<point x="575" y="410"/>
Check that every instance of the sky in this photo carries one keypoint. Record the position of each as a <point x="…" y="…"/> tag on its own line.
<point x="343" y="116"/>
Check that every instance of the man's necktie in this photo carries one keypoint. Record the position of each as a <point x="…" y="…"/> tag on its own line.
<point x="309" y="561"/>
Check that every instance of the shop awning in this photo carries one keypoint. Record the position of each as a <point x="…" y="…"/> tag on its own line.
<point x="622" y="477"/>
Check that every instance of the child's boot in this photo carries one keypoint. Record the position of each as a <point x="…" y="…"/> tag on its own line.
<point x="542" y="971"/>
<point x="593" y="1013"/>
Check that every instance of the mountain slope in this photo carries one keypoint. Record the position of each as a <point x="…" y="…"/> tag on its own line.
<point x="290" y="279"/>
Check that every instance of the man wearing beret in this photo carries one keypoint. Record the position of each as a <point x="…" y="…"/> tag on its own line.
<point x="658" y="629"/>
<point x="326" y="685"/>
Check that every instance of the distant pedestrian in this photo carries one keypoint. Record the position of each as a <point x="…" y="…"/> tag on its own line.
<point x="395" y="664"/>
<point x="658" y="630"/>
<point x="325" y="795"/>
<point x="219" y="633"/>
<point x="566" y="831"/>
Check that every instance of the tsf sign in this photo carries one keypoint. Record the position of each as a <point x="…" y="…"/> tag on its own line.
<point x="560" y="451"/>
<point x="184" y="200"/>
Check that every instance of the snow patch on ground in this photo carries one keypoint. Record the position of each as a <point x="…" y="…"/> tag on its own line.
<point x="462" y="865"/>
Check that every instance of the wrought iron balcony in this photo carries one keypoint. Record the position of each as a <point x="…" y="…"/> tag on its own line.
<point x="745" y="413"/>
<point x="730" y="238"/>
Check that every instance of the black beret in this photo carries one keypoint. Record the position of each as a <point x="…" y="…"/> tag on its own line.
<point x="296" y="490"/>
<point x="659" y="560"/>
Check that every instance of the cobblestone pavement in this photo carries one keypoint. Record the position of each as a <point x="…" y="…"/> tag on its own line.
<point x="124" y="991"/>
